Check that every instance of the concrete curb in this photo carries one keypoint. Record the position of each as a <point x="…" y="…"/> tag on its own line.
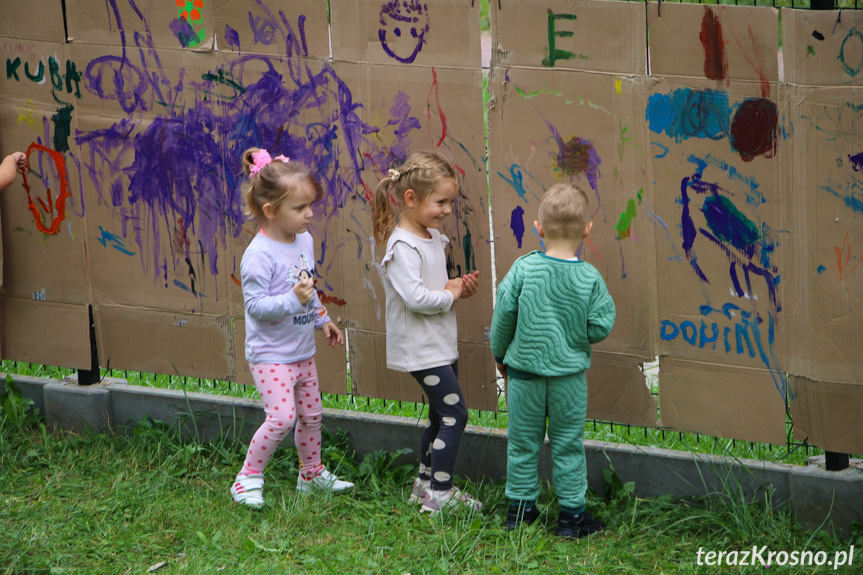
<point x="815" y="496"/>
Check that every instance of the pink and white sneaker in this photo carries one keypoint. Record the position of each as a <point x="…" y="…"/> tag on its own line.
<point x="249" y="491"/>
<point x="440" y="500"/>
<point x="421" y="491"/>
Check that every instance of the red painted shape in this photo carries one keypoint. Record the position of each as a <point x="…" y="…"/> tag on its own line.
<point x="57" y="211"/>
<point x="715" y="62"/>
<point x="435" y="89"/>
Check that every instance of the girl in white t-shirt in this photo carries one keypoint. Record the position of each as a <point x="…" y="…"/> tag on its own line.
<point x="282" y="312"/>
<point x="421" y="323"/>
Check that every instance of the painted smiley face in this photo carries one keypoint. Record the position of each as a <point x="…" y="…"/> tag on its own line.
<point x="404" y="24"/>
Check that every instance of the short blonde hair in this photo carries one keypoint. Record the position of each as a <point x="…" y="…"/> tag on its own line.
<point x="563" y="211"/>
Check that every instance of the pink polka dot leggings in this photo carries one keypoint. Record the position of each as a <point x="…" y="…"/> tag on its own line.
<point x="290" y="394"/>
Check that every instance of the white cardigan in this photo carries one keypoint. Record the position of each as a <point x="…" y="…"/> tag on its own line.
<point x="421" y="324"/>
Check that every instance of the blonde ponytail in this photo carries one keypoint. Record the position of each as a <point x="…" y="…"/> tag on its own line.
<point x="384" y="220"/>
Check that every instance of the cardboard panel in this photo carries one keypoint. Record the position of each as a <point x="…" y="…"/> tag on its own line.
<point x="44" y="253"/>
<point x="590" y="35"/>
<point x="441" y="33"/>
<point x="719" y="43"/>
<point x="828" y="180"/>
<point x="185" y="344"/>
<point x="38" y="71"/>
<point x="45" y="332"/>
<point x="616" y="390"/>
<point x="827" y="414"/>
<point x="725" y="220"/>
<point x="424" y="110"/>
<point x="32" y="20"/>
<point x="292" y="107"/>
<point x="823" y="47"/>
<point x="156" y="224"/>
<point x="288" y="29"/>
<point x="371" y="378"/>
<point x="184" y="24"/>
<point x="558" y="126"/>
<point x="721" y="400"/>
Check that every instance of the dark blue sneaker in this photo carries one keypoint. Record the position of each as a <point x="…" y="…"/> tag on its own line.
<point x="577" y="526"/>
<point x="516" y="515"/>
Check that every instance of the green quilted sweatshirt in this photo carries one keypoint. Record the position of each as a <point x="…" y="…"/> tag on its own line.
<point x="547" y="314"/>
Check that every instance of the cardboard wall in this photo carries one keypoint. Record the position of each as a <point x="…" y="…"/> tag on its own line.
<point x="824" y="58"/>
<point x="724" y="179"/>
<point x="716" y="122"/>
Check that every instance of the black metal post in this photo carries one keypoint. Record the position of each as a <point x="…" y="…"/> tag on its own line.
<point x="836" y="461"/>
<point x="822" y="5"/>
<point x="92" y="375"/>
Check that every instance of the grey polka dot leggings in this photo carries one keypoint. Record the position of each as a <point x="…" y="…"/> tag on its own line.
<point x="447" y="419"/>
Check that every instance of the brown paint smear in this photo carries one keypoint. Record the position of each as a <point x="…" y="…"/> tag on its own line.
<point x="715" y="62"/>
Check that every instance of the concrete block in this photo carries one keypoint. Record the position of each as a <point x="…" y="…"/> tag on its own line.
<point x="833" y="499"/>
<point x="200" y="415"/>
<point x="32" y="388"/>
<point x="77" y="408"/>
<point x="658" y="472"/>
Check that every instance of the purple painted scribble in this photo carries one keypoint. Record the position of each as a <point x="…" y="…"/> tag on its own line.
<point x="516" y="223"/>
<point x="267" y="29"/>
<point x="180" y="169"/>
<point x="578" y="157"/>
<point x="400" y="18"/>
<point x="232" y="37"/>
<point x="183" y="31"/>
<point x="856" y="162"/>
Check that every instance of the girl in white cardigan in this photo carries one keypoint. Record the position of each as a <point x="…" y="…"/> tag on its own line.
<point x="421" y="323"/>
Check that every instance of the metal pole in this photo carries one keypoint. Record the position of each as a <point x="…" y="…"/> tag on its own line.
<point x="92" y="375"/>
<point x="822" y="4"/>
<point x="836" y="461"/>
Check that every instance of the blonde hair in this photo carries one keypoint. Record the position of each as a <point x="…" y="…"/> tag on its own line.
<point x="563" y="211"/>
<point x="421" y="172"/>
<point x="273" y="184"/>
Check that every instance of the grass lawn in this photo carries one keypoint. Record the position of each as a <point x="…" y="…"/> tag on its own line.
<point x="149" y="502"/>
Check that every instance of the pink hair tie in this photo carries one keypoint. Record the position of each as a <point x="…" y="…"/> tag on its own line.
<point x="261" y="158"/>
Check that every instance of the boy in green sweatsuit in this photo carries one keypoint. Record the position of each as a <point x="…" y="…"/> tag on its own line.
<point x="550" y="308"/>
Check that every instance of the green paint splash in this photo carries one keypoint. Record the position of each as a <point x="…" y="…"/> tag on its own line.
<point x="624" y="225"/>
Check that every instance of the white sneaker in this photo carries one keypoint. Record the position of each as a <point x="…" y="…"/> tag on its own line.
<point x="249" y="491"/>
<point x="323" y="480"/>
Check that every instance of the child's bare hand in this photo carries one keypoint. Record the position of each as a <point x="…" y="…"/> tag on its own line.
<point x="455" y="286"/>
<point x="333" y="334"/>
<point x="304" y="290"/>
<point x="502" y="369"/>
<point x="20" y="161"/>
<point x="470" y="284"/>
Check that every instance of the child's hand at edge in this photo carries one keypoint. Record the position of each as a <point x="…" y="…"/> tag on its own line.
<point x="304" y="290"/>
<point x="470" y="284"/>
<point x="333" y="334"/>
<point x="20" y="161"/>
<point x="502" y="369"/>
<point x="455" y="286"/>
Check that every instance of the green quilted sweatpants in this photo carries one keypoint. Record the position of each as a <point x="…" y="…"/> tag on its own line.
<point x="563" y="400"/>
